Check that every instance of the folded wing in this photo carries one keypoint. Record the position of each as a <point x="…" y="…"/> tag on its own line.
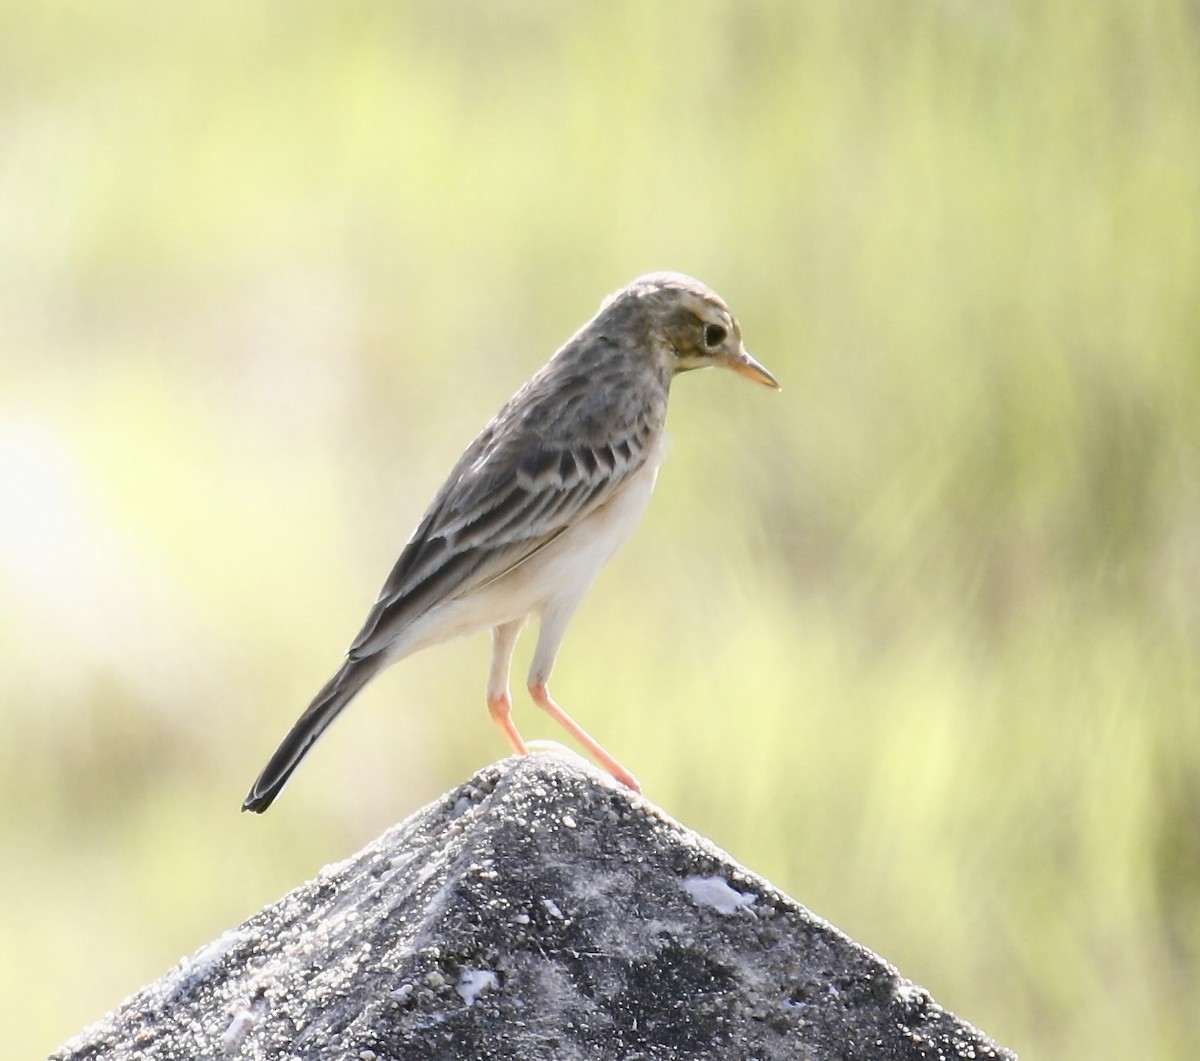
<point x="518" y="487"/>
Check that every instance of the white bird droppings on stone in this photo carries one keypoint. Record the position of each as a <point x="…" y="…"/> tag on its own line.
<point x="716" y="892"/>
<point x="473" y="982"/>
<point x="239" y="1028"/>
<point x="201" y="964"/>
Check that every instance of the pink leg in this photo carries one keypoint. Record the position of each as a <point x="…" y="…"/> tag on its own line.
<point x="499" y="703"/>
<point x="541" y="696"/>
<point x="500" y="708"/>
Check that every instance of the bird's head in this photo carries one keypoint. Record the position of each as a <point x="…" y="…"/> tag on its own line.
<point x="692" y="326"/>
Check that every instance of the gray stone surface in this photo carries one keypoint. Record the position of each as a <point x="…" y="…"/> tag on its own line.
<point x="535" y="912"/>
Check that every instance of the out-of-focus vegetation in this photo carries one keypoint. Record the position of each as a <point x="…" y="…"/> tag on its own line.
<point x="917" y="639"/>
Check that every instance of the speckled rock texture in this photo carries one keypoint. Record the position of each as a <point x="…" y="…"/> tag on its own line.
<point x="535" y="912"/>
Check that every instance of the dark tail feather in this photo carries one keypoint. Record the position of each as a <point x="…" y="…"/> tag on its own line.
<point x="337" y="693"/>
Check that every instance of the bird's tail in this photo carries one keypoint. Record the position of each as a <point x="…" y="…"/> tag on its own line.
<point x="328" y="703"/>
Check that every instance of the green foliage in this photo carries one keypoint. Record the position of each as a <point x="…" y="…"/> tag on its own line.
<point x="916" y="638"/>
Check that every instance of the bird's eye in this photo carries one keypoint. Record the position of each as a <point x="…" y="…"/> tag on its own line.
<point x="714" y="335"/>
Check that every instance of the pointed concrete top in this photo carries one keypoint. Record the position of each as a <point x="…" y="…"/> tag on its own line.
<point x="536" y="911"/>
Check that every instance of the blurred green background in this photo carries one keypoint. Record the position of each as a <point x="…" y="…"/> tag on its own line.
<point x="916" y="639"/>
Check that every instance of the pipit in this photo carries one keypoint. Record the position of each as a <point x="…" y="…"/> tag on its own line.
<point x="538" y="503"/>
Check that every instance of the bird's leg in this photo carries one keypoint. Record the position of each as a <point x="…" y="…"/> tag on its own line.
<point x="499" y="700"/>
<point x="541" y="697"/>
<point x="553" y="626"/>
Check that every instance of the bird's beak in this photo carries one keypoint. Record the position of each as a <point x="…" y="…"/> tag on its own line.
<point x="744" y="365"/>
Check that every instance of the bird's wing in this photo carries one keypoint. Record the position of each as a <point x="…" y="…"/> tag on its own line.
<point x="550" y="457"/>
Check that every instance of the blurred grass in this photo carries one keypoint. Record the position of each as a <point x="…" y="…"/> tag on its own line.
<point x="922" y="640"/>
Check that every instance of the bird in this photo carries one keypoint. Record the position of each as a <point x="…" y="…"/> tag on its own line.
<point x="538" y="503"/>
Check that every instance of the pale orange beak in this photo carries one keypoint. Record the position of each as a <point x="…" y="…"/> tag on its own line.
<point x="744" y="365"/>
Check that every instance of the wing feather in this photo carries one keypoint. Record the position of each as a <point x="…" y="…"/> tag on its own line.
<point x="520" y="485"/>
